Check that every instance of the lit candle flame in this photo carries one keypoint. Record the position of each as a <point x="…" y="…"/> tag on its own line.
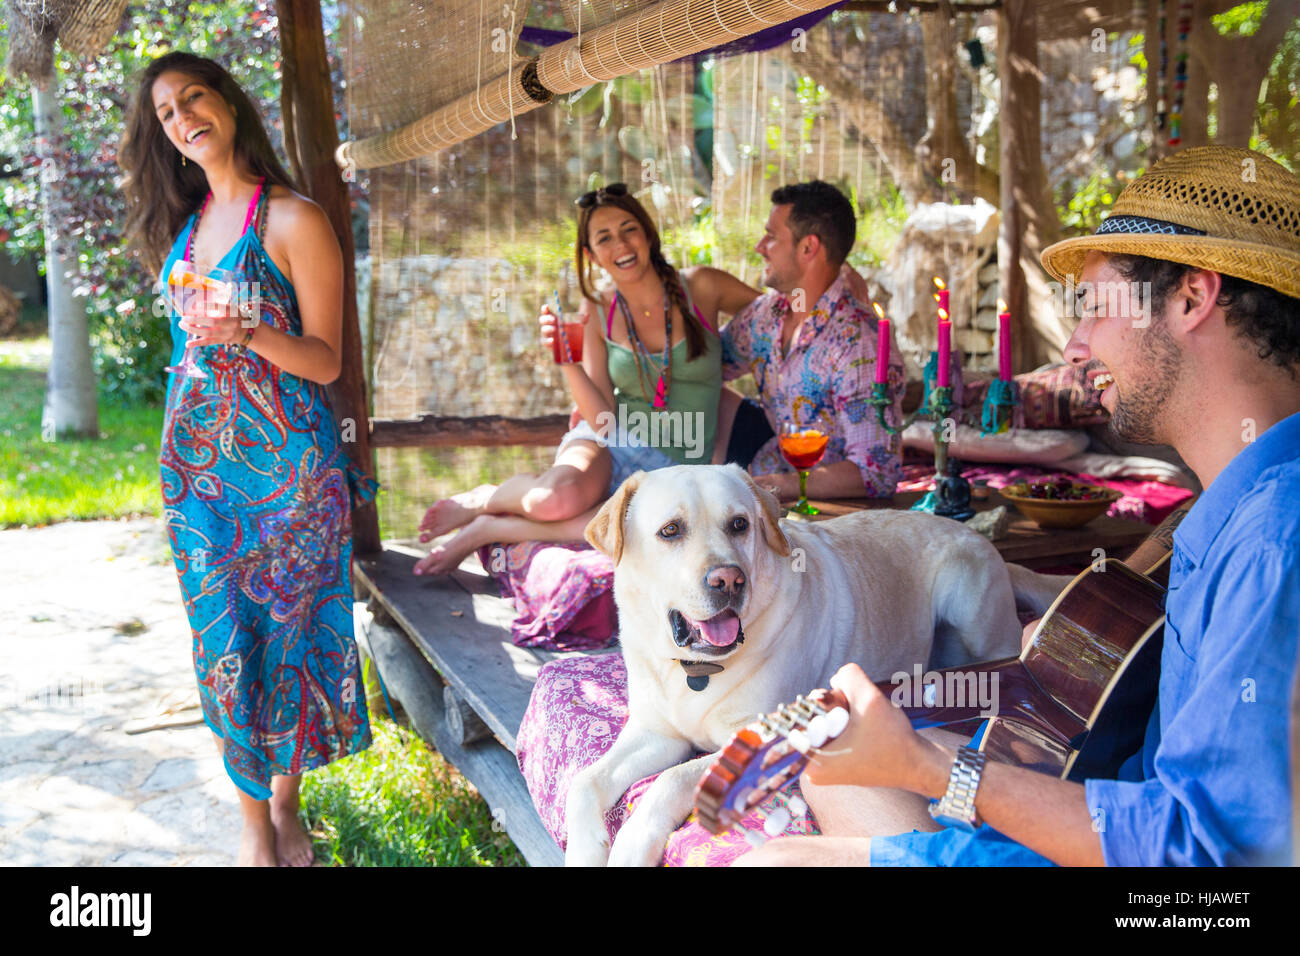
<point x="880" y="313"/>
<point x="943" y="315"/>
<point x="1002" y="305"/>
<point x="939" y="284"/>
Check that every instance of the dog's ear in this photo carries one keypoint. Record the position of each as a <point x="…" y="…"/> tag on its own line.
<point x="605" y="531"/>
<point x="771" y="516"/>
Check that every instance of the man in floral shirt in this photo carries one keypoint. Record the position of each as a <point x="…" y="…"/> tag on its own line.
<point x="811" y="348"/>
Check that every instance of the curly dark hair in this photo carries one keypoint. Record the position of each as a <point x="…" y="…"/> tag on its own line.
<point x="821" y="210"/>
<point x="1269" y="320"/>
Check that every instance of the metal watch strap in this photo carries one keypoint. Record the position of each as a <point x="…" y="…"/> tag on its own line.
<point x="958" y="802"/>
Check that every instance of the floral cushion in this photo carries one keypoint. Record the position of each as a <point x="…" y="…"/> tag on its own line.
<point x="1062" y="396"/>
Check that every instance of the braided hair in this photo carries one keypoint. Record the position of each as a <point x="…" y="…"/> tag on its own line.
<point x="696" y="342"/>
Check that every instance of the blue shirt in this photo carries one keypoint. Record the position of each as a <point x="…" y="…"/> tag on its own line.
<point x="1211" y="785"/>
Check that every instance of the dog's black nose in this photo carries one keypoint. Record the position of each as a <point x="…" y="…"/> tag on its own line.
<point x="725" y="577"/>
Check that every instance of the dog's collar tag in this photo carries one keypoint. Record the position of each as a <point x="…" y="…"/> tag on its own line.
<point x="697" y="673"/>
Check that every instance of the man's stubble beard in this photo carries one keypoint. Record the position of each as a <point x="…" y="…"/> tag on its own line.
<point x="1136" y="416"/>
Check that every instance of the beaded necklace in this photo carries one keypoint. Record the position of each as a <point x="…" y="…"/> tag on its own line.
<point x="640" y="352"/>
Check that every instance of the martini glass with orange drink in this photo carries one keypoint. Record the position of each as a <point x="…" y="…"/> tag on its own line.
<point x="196" y="295"/>
<point x="803" y="448"/>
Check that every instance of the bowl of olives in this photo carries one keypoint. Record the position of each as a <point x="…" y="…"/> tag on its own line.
<point x="1059" y="502"/>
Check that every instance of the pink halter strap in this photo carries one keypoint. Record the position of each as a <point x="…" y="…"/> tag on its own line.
<point x="252" y="206"/>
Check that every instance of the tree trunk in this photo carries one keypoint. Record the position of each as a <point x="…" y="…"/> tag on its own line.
<point x="71" y="408"/>
<point x="1029" y="218"/>
<point x="944" y="152"/>
<point x="1238" y="65"/>
<point x="311" y="137"/>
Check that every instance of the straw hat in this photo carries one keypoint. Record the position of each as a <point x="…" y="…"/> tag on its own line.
<point x="1222" y="208"/>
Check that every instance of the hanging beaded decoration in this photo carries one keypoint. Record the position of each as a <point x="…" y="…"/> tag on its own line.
<point x="1180" y="77"/>
<point x="1162" y="91"/>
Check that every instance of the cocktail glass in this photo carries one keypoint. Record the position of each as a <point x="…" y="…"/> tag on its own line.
<point x="803" y="449"/>
<point x="196" y="294"/>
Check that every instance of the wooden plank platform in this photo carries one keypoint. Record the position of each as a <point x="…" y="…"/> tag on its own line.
<point x="456" y="628"/>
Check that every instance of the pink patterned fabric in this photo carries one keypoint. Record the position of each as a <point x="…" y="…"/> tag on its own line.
<point x="578" y="707"/>
<point x="1148" y="501"/>
<point x="563" y="593"/>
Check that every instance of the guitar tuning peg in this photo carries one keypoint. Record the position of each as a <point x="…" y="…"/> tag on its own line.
<point x="818" y="733"/>
<point x="776" y="822"/>
<point x="799" y="741"/>
<point x="755" y="839"/>
<point x="797" y="806"/>
<point x="836" y="721"/>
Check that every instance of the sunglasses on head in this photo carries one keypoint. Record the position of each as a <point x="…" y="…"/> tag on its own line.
<point x="587" y="200"/>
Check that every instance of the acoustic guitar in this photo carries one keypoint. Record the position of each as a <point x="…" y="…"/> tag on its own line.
<point x="1074" y="704"/>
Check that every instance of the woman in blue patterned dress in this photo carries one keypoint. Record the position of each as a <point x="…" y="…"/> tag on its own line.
<point x="257" y="486"/>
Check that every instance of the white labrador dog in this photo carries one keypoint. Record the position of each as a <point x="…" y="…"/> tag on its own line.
<point x="760" y="611"/>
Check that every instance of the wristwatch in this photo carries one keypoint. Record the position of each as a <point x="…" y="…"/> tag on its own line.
<point x="957" y="808"/>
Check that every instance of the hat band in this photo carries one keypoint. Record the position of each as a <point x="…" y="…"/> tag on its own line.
<point x="1140" y="225"/>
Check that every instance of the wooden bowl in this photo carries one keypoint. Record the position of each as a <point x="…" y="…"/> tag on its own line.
<point x="1058" y="512"/>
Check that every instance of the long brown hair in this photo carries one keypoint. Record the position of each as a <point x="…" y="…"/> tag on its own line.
<point x="161" y="192"/>
<point x="696" y="344"/>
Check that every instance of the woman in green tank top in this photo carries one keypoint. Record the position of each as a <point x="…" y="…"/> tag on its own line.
<point x="646" y="390"/>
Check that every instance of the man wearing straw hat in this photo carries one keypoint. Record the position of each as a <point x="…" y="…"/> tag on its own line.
<point x="1189" y="294"/>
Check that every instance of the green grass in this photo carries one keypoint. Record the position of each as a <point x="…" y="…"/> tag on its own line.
<point x="42" y="482"/>
<point x="400" y="804"/>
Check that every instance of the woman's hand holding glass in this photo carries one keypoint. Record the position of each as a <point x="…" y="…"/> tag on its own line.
<point x="219" y="320"/>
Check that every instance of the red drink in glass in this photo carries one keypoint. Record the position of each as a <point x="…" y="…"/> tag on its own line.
<point x="566" y="347"/>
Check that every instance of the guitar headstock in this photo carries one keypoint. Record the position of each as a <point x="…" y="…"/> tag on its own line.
<point x="766" y="755"/>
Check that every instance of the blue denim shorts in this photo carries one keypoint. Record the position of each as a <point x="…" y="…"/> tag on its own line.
<point x="952" y="847"/>
<point x="627" y="457"/>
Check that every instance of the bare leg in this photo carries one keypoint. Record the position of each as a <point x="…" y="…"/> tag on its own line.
<point x="848" y="817"/>
<point x="577" y="481"/>
<point x="728" y="403"/>
<point x="292" y="843"/>
<point x="505" y="529"/>
<point x="257" y="839"/>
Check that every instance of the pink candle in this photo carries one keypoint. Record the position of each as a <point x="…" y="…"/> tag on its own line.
<point x="942" y="298"/>
<point x="1004" y="342"/>
<point x="882" y="345"/>
<point x="945" y="354"/>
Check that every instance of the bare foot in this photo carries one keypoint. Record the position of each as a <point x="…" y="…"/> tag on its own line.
<point x="292" y="842"/>
<point x="448" y="555"/>
<point x="454" y="512"/>
<point x="257" y="845"/>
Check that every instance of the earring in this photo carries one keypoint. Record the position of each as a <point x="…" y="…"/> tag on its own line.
<point x="184" y="161"/>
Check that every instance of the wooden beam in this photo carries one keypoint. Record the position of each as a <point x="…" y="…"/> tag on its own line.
<point x="311" y="137"/>
<point x="445" y="431"/>
<point x="1021" y="166"/>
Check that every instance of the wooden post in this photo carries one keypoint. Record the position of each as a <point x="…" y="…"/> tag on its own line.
<point x="311" y="137"/>
<point x="1021" y="165"/>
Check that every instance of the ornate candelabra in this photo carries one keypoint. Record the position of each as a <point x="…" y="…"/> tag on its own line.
<point x="952" y="493"/>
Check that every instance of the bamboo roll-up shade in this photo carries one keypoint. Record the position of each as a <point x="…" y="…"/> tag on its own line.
<point x="471" y="114"/>
<point x="409" y="58"/>
<point x="660" y="33"/>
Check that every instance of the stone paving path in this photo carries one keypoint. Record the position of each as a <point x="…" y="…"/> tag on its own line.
<point x="93" y="636"/>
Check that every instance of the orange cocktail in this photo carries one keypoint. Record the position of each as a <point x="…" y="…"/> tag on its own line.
<point x="803" y="449"/>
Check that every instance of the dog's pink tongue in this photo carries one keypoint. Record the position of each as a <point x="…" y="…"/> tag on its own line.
<point x="721" y="629"/>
